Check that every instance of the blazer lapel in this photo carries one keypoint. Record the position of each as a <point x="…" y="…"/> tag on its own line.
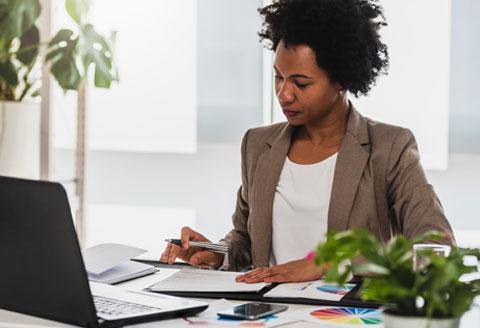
<point x="267" y="173"/>
<point x="351" y="160"/>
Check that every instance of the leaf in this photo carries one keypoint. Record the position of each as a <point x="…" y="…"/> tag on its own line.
<point x="16" y="17"/>
<point x="370" y="268"/>
<point x="9" y="73"/>
<point x="62" y="35"/>
<point x="98" y="51"/>
<point x="78" y="9"/>
<point x="64" y="57"/>
<point x="28" y="51"/>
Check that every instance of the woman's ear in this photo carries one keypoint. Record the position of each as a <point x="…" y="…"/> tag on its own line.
<point x="339" y="88"/>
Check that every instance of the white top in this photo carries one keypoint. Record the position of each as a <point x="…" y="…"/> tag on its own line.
<point x="300" y="209"/>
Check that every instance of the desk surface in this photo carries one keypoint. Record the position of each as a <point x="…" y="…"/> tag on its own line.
<point x="15" y="320"/>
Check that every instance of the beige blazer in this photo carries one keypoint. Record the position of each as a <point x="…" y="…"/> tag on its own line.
<point x="379" y="185"/>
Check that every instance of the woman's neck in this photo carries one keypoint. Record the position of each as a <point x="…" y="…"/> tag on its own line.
<point x="331" y="129"/>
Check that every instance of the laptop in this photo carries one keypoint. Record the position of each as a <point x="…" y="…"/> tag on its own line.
<point x="42" y="271"/>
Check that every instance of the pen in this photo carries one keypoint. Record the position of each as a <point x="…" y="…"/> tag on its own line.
<point x="218" y="248"/>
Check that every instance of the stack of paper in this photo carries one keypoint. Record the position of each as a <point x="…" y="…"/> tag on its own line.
<point x="110" y="263"/>
<point x="187" y="280"/>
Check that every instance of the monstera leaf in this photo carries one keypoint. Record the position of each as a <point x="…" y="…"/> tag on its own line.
<point x="72" y="54"/>
<point x="98" y="51"/>
<point x="63" y="55"/>
<point x="29" y="43"/>
<point x="16" y="17"/>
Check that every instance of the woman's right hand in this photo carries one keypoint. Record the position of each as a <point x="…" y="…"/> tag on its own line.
<point x="192" y="255"/>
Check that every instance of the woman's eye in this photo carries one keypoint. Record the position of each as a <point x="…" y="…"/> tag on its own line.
<point x="300" y="85"/>
<point x="278" y="77"/>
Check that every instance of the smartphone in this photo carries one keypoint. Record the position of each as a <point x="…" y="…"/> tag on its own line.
<point x="252" y="311"/>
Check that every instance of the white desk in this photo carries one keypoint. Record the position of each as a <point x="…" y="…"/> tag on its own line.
<point x="15" y="320"/>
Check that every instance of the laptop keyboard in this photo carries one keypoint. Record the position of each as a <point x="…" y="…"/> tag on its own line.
<point x="113" y="308"/>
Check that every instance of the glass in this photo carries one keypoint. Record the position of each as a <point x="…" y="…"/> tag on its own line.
<point x="419" y="261"/>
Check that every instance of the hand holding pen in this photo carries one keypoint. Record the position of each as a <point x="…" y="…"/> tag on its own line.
<point x="190" y="253"/>
<point x="217" y="248"/>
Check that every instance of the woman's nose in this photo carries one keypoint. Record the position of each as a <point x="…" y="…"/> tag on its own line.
<point x="285" y="94"/>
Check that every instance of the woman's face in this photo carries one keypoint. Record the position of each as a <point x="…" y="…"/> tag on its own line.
<point x="304" y="91"/>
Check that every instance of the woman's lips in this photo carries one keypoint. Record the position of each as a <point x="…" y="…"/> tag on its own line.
<point x="290" y="113"/>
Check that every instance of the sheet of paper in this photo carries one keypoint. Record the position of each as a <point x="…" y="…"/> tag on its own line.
<point x="100" y="258"/>
<point x="122" y="272"/>
<point x="209" y="317"/>
<point x="205" y="281"/>
<point x="318" y="289"/>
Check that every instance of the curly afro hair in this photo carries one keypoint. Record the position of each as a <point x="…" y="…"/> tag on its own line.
<point x="342" y="33"/>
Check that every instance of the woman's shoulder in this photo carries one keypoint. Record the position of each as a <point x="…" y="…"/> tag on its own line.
<point x="386" y="134"/>
<point x="391" y="144"/>
<point x="268" y="133"/>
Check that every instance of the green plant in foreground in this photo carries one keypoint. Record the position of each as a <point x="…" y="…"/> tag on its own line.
<point x="435" y="290"/>
<point x="70" y="52"/>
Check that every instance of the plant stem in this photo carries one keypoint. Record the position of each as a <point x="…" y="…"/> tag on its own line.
<point x="7" y="54"/>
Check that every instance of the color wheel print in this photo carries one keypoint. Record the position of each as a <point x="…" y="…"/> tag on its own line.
<point x="337" y="290"/>
<point x="349" y="315"/>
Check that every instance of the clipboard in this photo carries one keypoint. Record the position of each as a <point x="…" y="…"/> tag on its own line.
<point x="351" y="299"/>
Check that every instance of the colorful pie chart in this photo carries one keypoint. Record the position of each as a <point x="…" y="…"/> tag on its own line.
<point x="349" y="315"/>
<point x="337" y="290"/>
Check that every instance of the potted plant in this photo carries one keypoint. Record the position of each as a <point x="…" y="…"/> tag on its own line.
<point x="71" y="53"/>
<point x="432" y="295"/>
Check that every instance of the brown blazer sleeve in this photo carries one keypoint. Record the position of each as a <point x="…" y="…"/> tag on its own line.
<point x="415" y="206"/>
<point x="238" y="239"/>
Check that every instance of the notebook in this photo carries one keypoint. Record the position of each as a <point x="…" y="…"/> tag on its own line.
<point x="111" y="264"/>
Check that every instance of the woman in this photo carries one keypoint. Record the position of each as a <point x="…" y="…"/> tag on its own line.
<point x="328" y="167"/>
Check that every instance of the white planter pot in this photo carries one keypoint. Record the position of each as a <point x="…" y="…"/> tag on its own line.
<point x="397" y="321"/>
<point x="20" y="139"/>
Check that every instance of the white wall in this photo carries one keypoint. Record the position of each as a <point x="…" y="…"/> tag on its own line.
<point x="178" y="181"/>
<point x="415" y="93"/>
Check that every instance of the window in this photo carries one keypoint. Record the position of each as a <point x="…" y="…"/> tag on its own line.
<point x="165" y="143"/>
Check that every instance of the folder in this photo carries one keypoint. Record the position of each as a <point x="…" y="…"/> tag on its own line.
<point x="215" y="284"/>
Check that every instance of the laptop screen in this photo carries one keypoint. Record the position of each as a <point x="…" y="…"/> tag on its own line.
<point x="42" y="270"/>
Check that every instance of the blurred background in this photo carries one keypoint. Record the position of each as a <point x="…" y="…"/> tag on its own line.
<point x="163" y="144"/>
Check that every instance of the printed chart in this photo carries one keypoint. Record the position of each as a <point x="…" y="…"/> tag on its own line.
<point x="316" y="290"/>
<point x="348" y="315"/>
<point x="337" y="290"/>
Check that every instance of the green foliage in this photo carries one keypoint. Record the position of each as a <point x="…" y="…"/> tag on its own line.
<point x="19" y="39"/>
<point x="435" y="290"/>
<point x="77" y="9"/>
<point x="70" y="52"/>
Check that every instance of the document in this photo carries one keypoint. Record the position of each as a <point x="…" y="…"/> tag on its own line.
<point x="197" y="280"/>
<point x="100" y="258"/>
<point x="110" y="263"/>
<point x="318" y="290"/>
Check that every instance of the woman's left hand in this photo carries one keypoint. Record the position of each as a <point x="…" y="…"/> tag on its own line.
<point x="294" y="271"/>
